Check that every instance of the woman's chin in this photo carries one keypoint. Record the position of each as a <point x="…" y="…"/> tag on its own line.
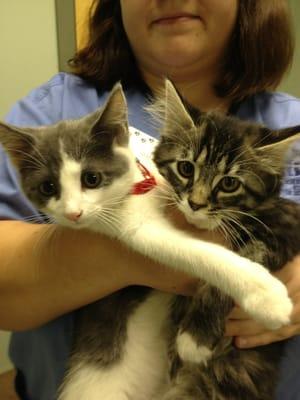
<point x="179" y="59"/>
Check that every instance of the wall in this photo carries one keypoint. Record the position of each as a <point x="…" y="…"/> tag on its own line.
<point x="28" y="47"/>
<point x="28" y="58"/>
<point x="291" y="84"/>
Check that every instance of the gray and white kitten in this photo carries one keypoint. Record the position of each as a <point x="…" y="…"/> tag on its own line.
<point x="227" y="176"/>
<point x="81" y="173"/>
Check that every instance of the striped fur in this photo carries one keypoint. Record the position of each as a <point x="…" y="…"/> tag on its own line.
<point x="237" y="169"/>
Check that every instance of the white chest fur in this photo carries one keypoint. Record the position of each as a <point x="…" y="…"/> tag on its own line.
<point x="143" y="370"/>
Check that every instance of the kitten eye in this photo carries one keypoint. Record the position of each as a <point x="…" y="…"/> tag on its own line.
<point x="185" y="168"/>
<point x="90" y="179"/>
<point x="229" y="184"/>
<point x="48" y="188"/>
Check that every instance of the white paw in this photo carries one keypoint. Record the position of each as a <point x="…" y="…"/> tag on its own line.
<point x="269" y="303"/>
<point x="188" y="349"/>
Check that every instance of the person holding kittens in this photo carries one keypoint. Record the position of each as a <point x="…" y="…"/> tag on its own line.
<point x="220" y="55"/>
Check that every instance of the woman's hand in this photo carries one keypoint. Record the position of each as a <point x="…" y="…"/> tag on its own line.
<point x="249" y="333"/>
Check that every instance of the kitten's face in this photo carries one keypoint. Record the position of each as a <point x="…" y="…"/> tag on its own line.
<point x="77" y="190"/>
<point x="220" y="168"/>
<point x="213" y="175"/>
<point x="75" y="171"/>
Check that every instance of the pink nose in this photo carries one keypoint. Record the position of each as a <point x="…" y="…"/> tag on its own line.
<point x="73" y="216"/>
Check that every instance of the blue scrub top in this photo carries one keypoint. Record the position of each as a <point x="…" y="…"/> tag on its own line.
<point x="40" y="354"/>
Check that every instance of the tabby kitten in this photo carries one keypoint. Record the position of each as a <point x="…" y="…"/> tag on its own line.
<point x="226" y="175"/>
<point x="81" y="173"/>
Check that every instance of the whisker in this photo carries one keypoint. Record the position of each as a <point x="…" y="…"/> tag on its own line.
<point x="33" y="218"/>
<point x="250" y="216"/>
<point x="28" y="157"/>
<point x="234" y="234"/>
<point x="230" y="230"/>
<point x="242" y="228"/>
<point x="229" y="234"/>
<point x="51" y="234"/>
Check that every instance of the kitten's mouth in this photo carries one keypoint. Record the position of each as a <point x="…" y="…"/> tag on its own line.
<point x="202" y="222"/>
<point x="79" y="224"/>
<point x="199" y="219"/>
<point x="74" y="224"/>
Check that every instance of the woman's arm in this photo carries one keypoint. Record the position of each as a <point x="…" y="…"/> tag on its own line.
<point x="47" y="271"/>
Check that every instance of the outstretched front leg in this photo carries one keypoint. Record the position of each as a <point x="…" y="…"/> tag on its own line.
<point x="260" y="294"/>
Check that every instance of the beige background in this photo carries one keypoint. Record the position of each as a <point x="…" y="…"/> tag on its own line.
<point x="28" y="47"/>
<point x="292" y="82"/>
<point x="29" y="57"/>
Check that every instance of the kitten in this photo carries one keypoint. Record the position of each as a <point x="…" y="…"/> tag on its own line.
<point x="82" y="173"/>
<point x="226" y="175"/>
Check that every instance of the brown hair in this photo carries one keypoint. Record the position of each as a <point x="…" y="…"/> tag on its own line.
<point x="259" y="53"/>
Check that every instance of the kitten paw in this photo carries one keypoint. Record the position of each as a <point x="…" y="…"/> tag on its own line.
<point x="269" y="304"/>
<point x="188" y="350"/>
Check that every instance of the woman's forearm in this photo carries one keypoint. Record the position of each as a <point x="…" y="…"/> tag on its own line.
<point x="47" y="271"/>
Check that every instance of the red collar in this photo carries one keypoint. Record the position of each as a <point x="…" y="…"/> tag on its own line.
<point x="145" y="185"/>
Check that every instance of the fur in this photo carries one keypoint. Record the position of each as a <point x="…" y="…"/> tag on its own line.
<point x="121" y="341"/>
<point x="226" y="176"/>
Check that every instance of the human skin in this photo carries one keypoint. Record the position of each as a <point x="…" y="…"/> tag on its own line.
<point x="185" y="41"/>
<point x="187" y="49"/>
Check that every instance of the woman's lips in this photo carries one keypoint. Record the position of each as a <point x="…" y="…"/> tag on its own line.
<point x="169" y="20"/>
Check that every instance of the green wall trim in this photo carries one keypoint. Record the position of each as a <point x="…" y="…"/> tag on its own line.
<point x="66" y="32"/>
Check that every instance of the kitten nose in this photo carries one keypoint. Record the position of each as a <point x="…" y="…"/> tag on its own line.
<point x="73" y="216"/>
<point x="195" y="206"/>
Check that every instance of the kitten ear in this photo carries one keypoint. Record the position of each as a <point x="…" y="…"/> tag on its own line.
<point x="275" y="144"/>
<point x="169" y="110"/>
<point x="112" y="124"/>
<point x="16" y="141"/>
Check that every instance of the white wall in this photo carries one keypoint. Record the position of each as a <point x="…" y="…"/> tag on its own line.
<point x="5" y="363"/>
<point x="28" y="58"/>
<point x="28" y="47"/>
<point x="292" y="82"/>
